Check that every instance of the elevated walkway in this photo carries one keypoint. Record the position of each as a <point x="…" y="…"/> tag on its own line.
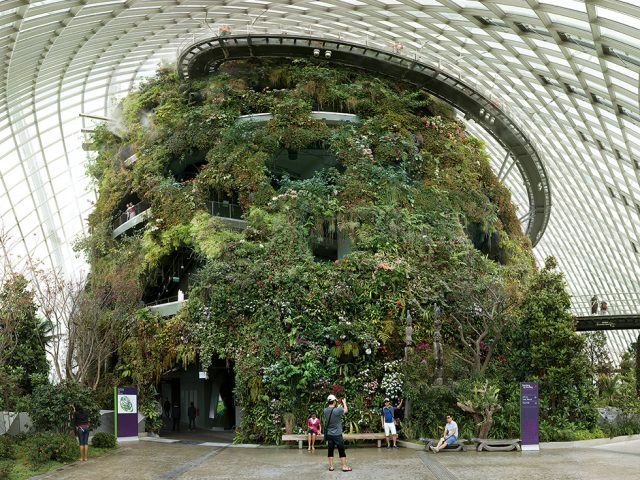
<point x="608" y="322"/>
<point x="619" y="319"/>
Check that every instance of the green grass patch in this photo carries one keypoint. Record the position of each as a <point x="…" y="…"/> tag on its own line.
<point x="22" y="470"/>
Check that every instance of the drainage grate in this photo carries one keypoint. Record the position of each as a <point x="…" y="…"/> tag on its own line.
<point x="439" y="471"/>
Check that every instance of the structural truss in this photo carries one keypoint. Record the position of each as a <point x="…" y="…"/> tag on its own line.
<point x="566" y="72"/>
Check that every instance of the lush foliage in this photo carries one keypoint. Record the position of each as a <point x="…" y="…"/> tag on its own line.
<point x="34" y="454"/>
<point x="23" y="337"/>
<point x="351" y="229"/>
<point x="554" y="352"/>
<point x="6" y="466"/>
<point x="46" y="446"/>
<point x="51" y="405"/>
<point x="104" y="440"/>
<point x="7" y="448"/>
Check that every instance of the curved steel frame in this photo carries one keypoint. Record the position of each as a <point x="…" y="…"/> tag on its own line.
<point x="206" y="56"/>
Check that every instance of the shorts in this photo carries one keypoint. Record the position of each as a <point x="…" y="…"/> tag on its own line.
<point x="83" y="435"/>
<point x="389" y="429"/>
<point x="312" y="432"/>
<point x="451" y="439"/>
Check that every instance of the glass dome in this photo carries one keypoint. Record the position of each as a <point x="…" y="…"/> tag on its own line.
<point x="566" y="71"/>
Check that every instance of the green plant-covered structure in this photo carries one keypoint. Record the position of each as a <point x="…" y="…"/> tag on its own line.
<point x="347" y="236"/>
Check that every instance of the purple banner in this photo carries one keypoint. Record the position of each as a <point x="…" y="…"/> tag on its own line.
<point x="126" y="412"/>
<point x="529" y="415"/>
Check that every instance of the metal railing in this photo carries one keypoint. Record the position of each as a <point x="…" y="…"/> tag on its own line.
<point x="614" y="304"/>
<point x="163" y="301"/>
<point x="225" y="209"/>
<point x="128" y="214"/>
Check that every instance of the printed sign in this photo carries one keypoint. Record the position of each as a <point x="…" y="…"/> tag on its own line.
<point x="529" y="416"/>
<point x="127" y="404"/>
<point x="126" y="413"/>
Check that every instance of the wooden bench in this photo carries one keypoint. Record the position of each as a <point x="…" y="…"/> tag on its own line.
<point x="457" y="446"/>
<point x="493" y="445"/>
<point x="302" y="437"/>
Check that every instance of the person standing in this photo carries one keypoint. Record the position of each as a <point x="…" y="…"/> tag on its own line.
<point x="594" y="305"/>
<point x="388" y="423"/>
<point x="603" y="307"/>
<point x="131" y="211"/>
<point x="333" y="431"/>
<point x="450" y="435"/>
<point x="314" y="430"/>
<point x="191" y="413"/>
<point x="81" y="422"/>
<point x="167" y="408"/>
<point x="175" y="416"/>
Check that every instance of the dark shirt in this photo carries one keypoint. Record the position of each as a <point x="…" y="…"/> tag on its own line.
<point x="191" y="412"/>
<point x="167" y="405"/>
<point x="80" y="417"/>
<point x="175" y="411"/>
<point x="333" y="420"/>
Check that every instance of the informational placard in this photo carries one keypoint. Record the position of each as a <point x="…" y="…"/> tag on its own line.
<point x="126" y="413"/>
<point x="529" y="416"/>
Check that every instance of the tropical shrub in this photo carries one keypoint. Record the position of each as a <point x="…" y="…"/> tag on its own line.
<point x="7" y="448"/>
<point x="554" y="354"/>
<point x="50" y="407"/>
<point x="6" y="466"/>
<point x="45" y="446"/>
<point x="103" y="440"/>
<point x="482" y="401"/>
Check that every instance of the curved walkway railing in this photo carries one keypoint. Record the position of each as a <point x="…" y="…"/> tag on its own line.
<point x="205" y="56"/>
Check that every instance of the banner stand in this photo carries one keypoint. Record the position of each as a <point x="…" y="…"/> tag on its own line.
<point x="125" y="418"/>
<point x="529" y="426"/>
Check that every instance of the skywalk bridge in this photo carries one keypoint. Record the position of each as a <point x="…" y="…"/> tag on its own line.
<point x="620" y="321"/>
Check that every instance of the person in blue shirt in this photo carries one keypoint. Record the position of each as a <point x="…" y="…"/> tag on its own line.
<point x="388" y="424"/>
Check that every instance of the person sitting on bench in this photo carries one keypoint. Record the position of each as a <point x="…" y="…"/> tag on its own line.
<point x="450" y="434"/>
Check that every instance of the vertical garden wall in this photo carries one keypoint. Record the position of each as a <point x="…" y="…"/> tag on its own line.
<point x="424" y="219"/>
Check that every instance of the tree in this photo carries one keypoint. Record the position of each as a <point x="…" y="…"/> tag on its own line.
<point x="595" y="347"/>
<point x="481" y="402"/>
<point x="23" y="336"/>
<point x="556" y="357"/>
<point x="484" y="307"/>
<point x="87" y="319"/>
<point x="50" y="405"/>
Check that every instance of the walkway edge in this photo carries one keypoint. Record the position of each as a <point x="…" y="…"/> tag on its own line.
<point x="587" y="443"/>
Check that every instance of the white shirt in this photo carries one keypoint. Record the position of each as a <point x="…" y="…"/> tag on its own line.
<point x="452" y="428"/>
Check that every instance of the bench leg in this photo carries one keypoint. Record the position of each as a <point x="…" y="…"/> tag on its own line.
<point x="300" y="444"/>
<point x="379" y="443"/>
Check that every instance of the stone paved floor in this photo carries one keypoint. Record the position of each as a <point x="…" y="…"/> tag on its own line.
<point x="163" y="461"/>
<point x="614" y="461"/>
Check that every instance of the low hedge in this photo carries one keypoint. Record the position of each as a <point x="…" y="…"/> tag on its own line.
<point x="5" y="468"/>
<point x="46" y="446"/>
<point x="7" y="448"/>
<point x="104" y="440"/>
